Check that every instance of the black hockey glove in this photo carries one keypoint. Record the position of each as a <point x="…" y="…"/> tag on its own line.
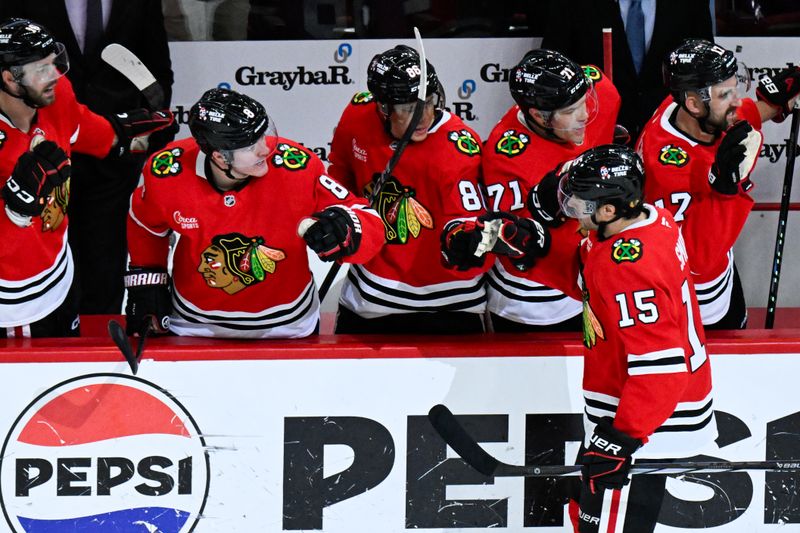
<point x="607" y="460"/>
<point x="735" y="159"/>
<point x="135" y="126"/>
<point x="34" y="177"/>
<point x="779" y="90"/>
<point x="520" y="239"/>
<point x="460" y="240"/>
<point x="335" y="234"/>
<point x="161" y="138"/>
<point x="149" y="300"/>
<point x="543" y="201"/>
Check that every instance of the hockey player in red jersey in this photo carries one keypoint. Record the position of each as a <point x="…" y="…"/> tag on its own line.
<point x="647" y="379"/>
<point x="701" y="145"/>
<point x="562" y="109"/>
<point x="41" y="123"/>
<point x="245" y="204"/>
<point x="406" y="287"/>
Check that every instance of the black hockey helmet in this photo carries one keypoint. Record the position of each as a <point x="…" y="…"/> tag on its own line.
<point x="393" y="77"/>
<point x="23" y="41"/>
<point x="607" y="174"/>
<point x="697" y="64"/>
<point x="547" y="80"/>
<point x="226" y="120"/>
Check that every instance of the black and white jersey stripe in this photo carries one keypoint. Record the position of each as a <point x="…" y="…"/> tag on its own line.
<point x="26" y="301"/>
<point x="689" y="429"/>
<point x="298" y="318"/>
<point x="526" y="301"/>
<point x="669" y="361"/>
<point x="372" y="296"/>
<point x="714" y="297"/>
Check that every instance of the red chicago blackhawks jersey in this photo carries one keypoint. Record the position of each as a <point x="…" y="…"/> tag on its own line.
<point x="514" y="160"/>
<point x="434" y="182"/>
<point x="36" y="266"/>
<point x="239" y="267"/>
<point x="677" y="167"/>
<point x="645" y="361"/>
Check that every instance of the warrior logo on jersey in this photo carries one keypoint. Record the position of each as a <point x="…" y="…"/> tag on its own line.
<point x="465" y="142"/>
<point x="624" y="250"/>
<point x="234" y="262"/>
<point x="592" y="329"/>
<point x="673" y="155"/>
<point x="362" y="98"/>
<point x="401" y="213"/>
<point x="512" y="143"/>
<point x="291" y="157"/>
<point x="2" y="138"/>
<point x="592" y="72"/>
<point x="165" y="163"/>
<point x="56" y="207"/>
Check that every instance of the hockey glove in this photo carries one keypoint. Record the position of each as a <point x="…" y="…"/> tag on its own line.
<point x="543" y="201"/>
<point x="779" y="91"/>
<point x="460" y="240"/>
<point x="149" y="301"/>
<point x="335" y="234"/>
<point x="34" y="177"/>
<point x="607" y="460"/>
<point x="520" y="239"/>
<point x="735" y="159"/>
<point x="134" y="127"/>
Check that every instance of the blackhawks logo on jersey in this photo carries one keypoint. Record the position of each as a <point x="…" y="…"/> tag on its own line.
<point x="627" y="250"/>
<point x="233" y="262"/>
<point x="512" y="143"/>
<point x="465" y="142"/>
<point x="362" y="98"/>
<point x="291" y="157"/>
<point x="165" y="163"/>
<point x="673" y="155"/>
<point x="592" y="72"/>
<point x="401" y="213"/>
<point x="56" y="207"/>
<point x="592" y="329"/>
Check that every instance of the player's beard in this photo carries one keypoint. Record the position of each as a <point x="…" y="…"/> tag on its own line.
<point x="717" y="124"/>
<point x="42" y="98"/>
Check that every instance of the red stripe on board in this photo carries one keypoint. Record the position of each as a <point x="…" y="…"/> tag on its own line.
<point x="616" y="496"/>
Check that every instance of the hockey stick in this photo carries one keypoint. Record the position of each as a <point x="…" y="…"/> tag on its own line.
<point x="119" y="337"/>
<point x="454" y="434"/>
<point x="398" y="151"/>
<point x="127" y="64"/>
<point x="783" y="216"/>
<point x="608" y="54"/>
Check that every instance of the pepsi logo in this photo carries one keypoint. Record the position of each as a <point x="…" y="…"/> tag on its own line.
<point x="104" y="453"/>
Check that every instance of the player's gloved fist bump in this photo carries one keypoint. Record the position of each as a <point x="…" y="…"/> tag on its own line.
<point x="522" y="240"/>
<point x="543" y="201"/>
<point x="779" y="91"/>
<point x="736" y="156"/>
<point x="607" y="460"/>
<point x="34" y="177"/>
<point x="459" y="242"/>
<point x="335" y="234"/>
<point x="134" y="126"/>
<point x="149" y="300"/>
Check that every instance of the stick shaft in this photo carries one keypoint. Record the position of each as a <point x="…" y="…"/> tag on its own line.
<point x="608" y="54"/>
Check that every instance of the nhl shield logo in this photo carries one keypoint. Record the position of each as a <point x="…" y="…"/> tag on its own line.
<point x="229" y="200"/>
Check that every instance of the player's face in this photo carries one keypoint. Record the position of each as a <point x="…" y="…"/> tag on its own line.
<point x="39" y="77"/>
<point x="252" y="160"/>
<point x="401" y="116"/>
<point x="569" y="123"/>
<point x="726" y="97"/>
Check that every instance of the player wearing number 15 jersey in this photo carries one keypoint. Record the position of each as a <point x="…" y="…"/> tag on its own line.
<point x="562" y="109"/>
<point x="647" y="380"/>
<point x="406" y="287"/>
<point x="245" y="204"/>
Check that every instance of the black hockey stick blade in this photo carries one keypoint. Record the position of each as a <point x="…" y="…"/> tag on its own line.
<point x="119" y="337"/>
<point x="130" y="66"/>
<point x="454" y="434"/>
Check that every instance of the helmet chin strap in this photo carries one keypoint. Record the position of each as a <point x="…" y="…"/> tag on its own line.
<point x="545" y="131"/>
<point x="601" y="226"/>
<point x="226" y="171"/>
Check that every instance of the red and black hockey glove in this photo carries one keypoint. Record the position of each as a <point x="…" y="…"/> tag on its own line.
<point x="460" y="240"/>
<point x="34" y="177"/>
<point x="779" y="90"/>
<point x="135" y="126"/>
<point x="335" y="235"/>
<point x="149" y="300"/>
<point x="520" y="239"/>
<point x="607" y="460"/>
<point x="543" y="201"/>
<point x="735" y="159"/>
